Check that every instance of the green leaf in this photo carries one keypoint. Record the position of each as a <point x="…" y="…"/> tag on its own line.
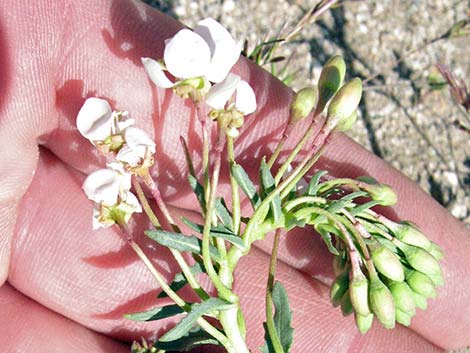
<point x="325" y="230"/>
<point x="246" y="184"/>
<point x="198" y="190"/>
<point x="158" y="313"/>
<point x="181" y="242"/>
<point x="197" y="310"/>
<point x="314" y="182"/>
<point x="268" y="183"/>
<point x="179" y="281"/>
<point x="223" y="213"/>
<point x="345" y="201"/>
<point x="188" y="342"/>
<point x="219" y="232"/>
<point x="282" y="320"/>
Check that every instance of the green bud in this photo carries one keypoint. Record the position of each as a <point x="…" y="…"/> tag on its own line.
<point x="339" y="263"/>
<point x="387" y="263"/>
<point x="346" y="124"/>
<point x="421" y="260"/>
<point x="339" y="288"/>
<point x="358" y="292"/>
<point x="436" y="251"/>
<point x="420" y="301"/>
<point x="403" y="297"/>
<point x="303" y="103"/>
<point x="436" y="279"/>
<point x="383" y="194"/>
<point x="344" y="103"/>
<point x="346" y="305"/>
<point x="381" y="303"/>
<point x="364" y="323"/>
<point x="412" y="236"/>
<point x="402" y="317"/>
<point x="331" y="79"/>
<point x="421" y="284"/>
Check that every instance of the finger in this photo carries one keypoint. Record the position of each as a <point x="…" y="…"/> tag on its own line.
<point x="62" y="264"/>
<point x="27" y="326"/>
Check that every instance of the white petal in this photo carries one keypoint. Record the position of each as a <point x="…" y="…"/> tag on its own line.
<point x="221" y="92"/>
<point x="102" y="186"/>
<point x="94" y="120"/>
<point x="132" y="201"/>
<point x="137" y="137"/>
<point x="124" y="121"/>
<point x="131" y="156"/>
<point x="246" y="99"/>
<point x="224" y="50"/>
<point x="187" y="55"/>
<point x="124" y="177"/>
<point x="155" y="72"/>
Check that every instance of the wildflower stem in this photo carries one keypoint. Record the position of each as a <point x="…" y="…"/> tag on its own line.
<point x="236" y="214"/>
<point x="279" y="146"/>
<point x="275" y="340"/>
<point x="145" y="204"/>
<point x="205" y="150"/>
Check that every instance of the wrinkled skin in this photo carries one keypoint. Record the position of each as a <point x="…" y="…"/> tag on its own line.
<point x="66" y="287"/>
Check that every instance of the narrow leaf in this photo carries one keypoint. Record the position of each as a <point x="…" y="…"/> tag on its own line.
<point x="268" y="183"/>
<point x="314" y="182"/>
<point x="223" y="213"/>
<point x="179" y="281"/>
<point x="246" y="184"/>
<point x="198" y="190"/>
<point x="197" y="310"/>
<point x="188" y="342"/>
<point x="325" y="230"/>
<point x="181" y="242"/>
<point x="158" y="313"/>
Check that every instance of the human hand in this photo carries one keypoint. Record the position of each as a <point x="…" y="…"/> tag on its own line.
<point x="53" y="57"/>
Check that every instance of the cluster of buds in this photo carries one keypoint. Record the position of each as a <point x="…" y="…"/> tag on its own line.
<point x="201" y="60"/>
<point x="392" y="277"/>
<point x="128" y="149"/>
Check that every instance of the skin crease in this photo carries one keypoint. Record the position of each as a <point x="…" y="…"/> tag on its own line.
<point x="52" y="58"/>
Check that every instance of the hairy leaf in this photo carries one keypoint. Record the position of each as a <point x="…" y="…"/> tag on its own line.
<point x="158" y="313"/>
<point x="314" y="182"/>
<point x="198" y="190"/>
<point x="246" y="184"/>
<point x="268" y="183"/>
<point x="223" y="213"/>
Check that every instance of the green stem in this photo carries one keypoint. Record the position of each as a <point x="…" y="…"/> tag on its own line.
<point x="145" y="204"/>
<point x="229" y="321"/>
<point x="275" y="340"/>
<point x="236" y="213"/>
<point x="205" y="150"/>
<point x="282" y="141"/>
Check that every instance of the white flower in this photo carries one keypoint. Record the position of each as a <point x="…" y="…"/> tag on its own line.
<point x="221" y="93"/>
<point x="208" y="52"/>
<point x="96" y="121"/>
<point x="138" y="147"/>
<point x="109" y="189"/>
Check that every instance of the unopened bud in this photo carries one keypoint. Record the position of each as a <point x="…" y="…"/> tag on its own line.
<point x="436" y="279"/>
<point x="331" y="79"/>
<point x="303" y="103"/>
<point x="364" y="323"/>
<point x="421" y="260"/>
<point x="387" y="263"/>
<point x="346" y="305"/>
<point x="412" y="236"/>
<point x="402" y="317"/>
<point x="339" y="288"/>
<point x="436" y="251"/>
<point x="420" y="301"/>
<point x="346" y="124"/>
<point x="344" y="103"/>
<point x="358" y="291"/>
<point x="403" y="297"/>
<point x="383" y="194"/>
<point x="381" y="303"/>
<point x="421" y="284"/>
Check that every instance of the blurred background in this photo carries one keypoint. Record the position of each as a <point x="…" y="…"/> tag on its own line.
<point x="413" y="56"/>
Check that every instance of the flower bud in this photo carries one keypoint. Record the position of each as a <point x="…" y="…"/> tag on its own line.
<point x="421" y="284"/>
<point x="344" y="103"/>
<point x="381" y="303"/>
<point x="331" y="79"/>
<point x="421" y="260"/>
<point x="403" y="297"/>
<point x="402" y="317"/>
<point x="412" y="236"/>
<point x="436" y="279"/>
<point x="364" y="323"/>
<point x="303" y="103"/>
<point x="339" y="288"/>
<point x="346" y="124"/>
<point x="420" y="301"/>
<point x="358" y="292"/>
<point x="387" y="263"/>
<point x="383" y="194"/>
<point x="346" y="305"/>
<point x="436" y="251"/>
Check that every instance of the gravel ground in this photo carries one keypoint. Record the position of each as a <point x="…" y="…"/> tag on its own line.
<point x="402" y="119"/>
